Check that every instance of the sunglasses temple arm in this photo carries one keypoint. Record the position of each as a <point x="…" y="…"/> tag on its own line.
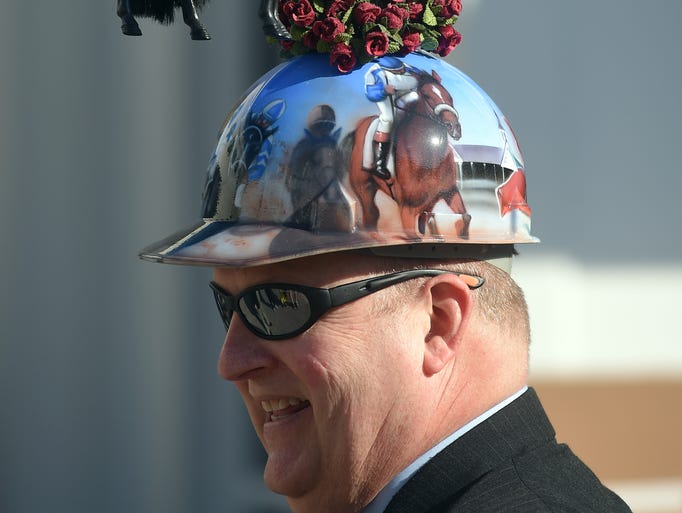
<point x="350" y="292"/>
<point x="345" y="293"/>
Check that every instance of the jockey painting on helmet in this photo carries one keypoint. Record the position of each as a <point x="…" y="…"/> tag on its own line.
<point x="385" y="82"/>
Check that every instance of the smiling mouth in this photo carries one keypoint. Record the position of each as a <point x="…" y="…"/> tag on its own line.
<point x="276" y="409"/>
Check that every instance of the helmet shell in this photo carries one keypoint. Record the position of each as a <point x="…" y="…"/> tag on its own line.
<point x="294" y="169"/>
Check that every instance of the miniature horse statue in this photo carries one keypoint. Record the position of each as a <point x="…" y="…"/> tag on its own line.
<point x="163" y="12"/>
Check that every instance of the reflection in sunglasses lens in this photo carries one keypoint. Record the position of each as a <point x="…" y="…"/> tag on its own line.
<point x="274" y="311"/>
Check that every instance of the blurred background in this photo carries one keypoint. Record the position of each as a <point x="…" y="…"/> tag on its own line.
<point x="109" y="397"/>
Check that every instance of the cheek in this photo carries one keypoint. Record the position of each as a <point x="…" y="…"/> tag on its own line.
<point x="356" y="356"/>
<point x="336" y="364"/>
<point x="331" y="372"/>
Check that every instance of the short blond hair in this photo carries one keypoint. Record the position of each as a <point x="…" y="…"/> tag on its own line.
<point x="499" y="303"/>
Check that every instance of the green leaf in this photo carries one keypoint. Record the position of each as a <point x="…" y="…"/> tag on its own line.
<point x="368" y="27"/>
<point x="318" y="5"/>
<point x="415" y="27"/>
<point x="429" y="18"/>
<point x="346" y="16"/>
<point x="324" y="47"/>
<point x="343" y="38"/>
<point x="431" y="34"/>
<point x="393" y="47"/>
<point x="297" y="32"/>
<point x="429" y="44"/>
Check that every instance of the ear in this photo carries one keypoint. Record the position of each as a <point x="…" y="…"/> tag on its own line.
<point x="450" y="310"/>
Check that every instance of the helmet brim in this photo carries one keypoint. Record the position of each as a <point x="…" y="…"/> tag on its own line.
<point x="229" y="244"/>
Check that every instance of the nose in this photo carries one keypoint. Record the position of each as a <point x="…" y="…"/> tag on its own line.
<point x="243" y="355"/>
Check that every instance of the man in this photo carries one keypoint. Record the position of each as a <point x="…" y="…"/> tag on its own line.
<point x="385" y="370"/>
<point x="349" y="409"/>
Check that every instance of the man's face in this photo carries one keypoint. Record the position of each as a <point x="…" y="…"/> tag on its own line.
<point x="335" y="405"/>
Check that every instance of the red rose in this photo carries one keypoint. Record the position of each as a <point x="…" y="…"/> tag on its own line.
<point x="342" y="57"/>
<point x="449" y="38"/>
<point x="449" y="8"/>
<point x="394" y="16"/>
<point x="376" y="43"/>
<point x="339" y="6"/>
<point x="328" y="29"/>
<point x="287" y="44"/>
<point x="300" y="12"/>
<point x="310" y="39"/>
<point x="366" y="12"/>
<point x="411" y="42"/>
<point x="415" y="9"/>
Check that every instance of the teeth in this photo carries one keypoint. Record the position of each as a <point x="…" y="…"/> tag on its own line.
<point x="280" y="404"/>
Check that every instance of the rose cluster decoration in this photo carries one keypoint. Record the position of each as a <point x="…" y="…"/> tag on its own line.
<point x="353" y="32"/>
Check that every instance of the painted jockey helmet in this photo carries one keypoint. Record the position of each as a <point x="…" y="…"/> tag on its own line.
<point x="271" y="112"/>
<point x="321" y="120"/>
<point x="391" y="63"/>
<point x="305" y="181"/>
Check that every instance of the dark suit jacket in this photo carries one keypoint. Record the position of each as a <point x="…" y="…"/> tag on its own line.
<point x="509" y="463"/>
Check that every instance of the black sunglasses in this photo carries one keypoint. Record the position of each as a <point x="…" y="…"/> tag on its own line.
<point x="276" y="311"/>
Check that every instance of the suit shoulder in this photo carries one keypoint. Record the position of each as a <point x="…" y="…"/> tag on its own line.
<point x="547" y="479"/>
<point x="563" y="482"/>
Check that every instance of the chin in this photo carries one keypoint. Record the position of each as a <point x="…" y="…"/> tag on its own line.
<point x="290" y="479"/>
<point x="305" y="493"/>
<point x="315" y="494"/>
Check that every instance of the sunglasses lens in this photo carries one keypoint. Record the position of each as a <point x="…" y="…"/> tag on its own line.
<point x="224" y="308"/>
<point x="274" y="311"/>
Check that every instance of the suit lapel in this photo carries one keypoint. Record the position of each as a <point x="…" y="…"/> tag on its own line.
<point x="519" y="425"/>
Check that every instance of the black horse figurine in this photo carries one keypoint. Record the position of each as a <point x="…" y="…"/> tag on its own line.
<point x="272" y="26"/>
<point x="163" y="12"/>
